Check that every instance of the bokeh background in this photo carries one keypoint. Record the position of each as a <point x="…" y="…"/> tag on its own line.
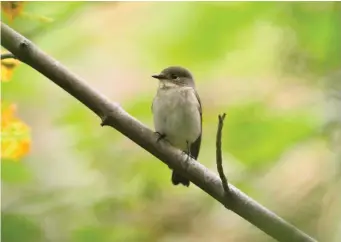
<point x="274" y="68"/>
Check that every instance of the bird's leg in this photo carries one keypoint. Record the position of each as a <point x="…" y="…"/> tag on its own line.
<point x="188" y="152"/>
<point x="161" y="136"/>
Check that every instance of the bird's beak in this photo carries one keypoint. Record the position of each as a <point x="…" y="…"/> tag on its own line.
<point x="159" y="76"/>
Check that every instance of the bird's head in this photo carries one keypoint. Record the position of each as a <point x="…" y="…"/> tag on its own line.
<point x="175" y="76"/>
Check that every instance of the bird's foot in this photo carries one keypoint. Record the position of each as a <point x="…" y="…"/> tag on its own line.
<point x="160" y="136"/>
<point x="188" y="152"/>
<point x="189" y="156"/>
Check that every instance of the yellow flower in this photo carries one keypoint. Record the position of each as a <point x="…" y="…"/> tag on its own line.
<point x="12" y="9"/>
<point x="7" y="67"/>
<point x="15" y="134"/>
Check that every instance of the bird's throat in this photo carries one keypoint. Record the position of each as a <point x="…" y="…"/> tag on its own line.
<point x="165" y="84"/>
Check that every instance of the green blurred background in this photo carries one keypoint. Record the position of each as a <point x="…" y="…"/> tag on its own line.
<point x="274" y="68"/>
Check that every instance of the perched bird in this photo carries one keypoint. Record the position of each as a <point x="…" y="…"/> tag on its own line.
<point x="178" y="114"/>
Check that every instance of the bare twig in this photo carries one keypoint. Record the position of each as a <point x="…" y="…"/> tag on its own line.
<point x="7" y="56"/>
<point x="219" y="157"/>
<point x="113" y="115"/>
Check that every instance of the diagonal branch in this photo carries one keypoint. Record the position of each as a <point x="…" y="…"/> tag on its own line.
<point x="113" y="115"/>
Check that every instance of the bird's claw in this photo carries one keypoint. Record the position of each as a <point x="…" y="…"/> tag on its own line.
<point x="161" y="136"/>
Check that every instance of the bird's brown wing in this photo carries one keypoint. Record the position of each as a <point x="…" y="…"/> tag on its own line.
<point x="195" y="147"/>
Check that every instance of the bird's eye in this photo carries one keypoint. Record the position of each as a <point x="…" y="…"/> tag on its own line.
<point x="173" y="76"/>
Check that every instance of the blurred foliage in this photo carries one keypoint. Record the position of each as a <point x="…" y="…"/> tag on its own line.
<point x="36" y="18"/>
<point x="318" y="49"/>
<point x="29" y="231"/>
<point x="14" y="172"/>
<point x="12" y="9"/>
<point x="204" y="32"/>
<point x="251" y="128"/>
<point x="15" y="135"/>
<point x="7" y="68"/>
<point x="263" y="63"/>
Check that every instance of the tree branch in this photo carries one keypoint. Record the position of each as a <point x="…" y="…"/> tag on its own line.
<point x="7" y="56"/>
<point x="113" y="115"/>
<point x="219" y="158"/>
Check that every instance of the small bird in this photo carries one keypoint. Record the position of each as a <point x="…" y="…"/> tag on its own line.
<point x="178" y="114"/>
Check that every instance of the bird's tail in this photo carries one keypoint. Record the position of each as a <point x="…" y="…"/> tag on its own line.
<point x="179" y="179"/>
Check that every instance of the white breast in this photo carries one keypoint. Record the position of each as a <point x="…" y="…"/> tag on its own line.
<point x="176" y="114"/>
